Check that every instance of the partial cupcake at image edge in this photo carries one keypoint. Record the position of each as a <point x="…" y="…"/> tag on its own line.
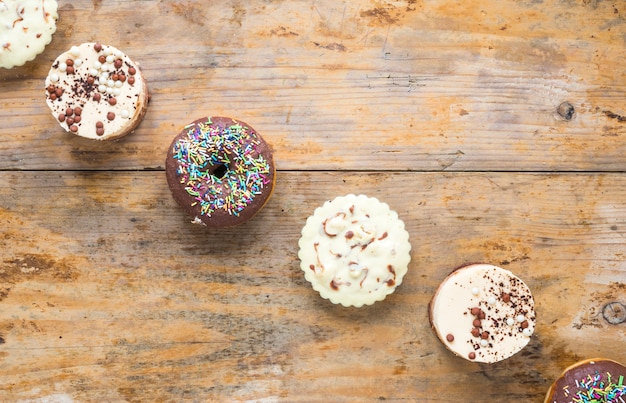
<point x="220" y="171"/>
<point x="96" y="91"/>
<point x="26" y="28"/>
<point x="595" y="380"/>
<point x="483" y="313"/>
<point x="354" y="250"/>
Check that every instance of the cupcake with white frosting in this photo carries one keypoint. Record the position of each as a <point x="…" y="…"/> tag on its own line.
<point x="354" y="250"/>
<point x="26" y="28"/>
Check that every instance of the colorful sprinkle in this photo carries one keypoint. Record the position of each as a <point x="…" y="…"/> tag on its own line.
<point x="221" y="167"/>
<point x="598" y="388"/>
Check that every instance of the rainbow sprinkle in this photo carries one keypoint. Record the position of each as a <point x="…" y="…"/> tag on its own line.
<point x="233" y="152"/>
<point x="597" y="388"/>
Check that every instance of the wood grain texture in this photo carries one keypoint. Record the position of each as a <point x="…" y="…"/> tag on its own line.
<point x="114" y="294"/>
<point x="446" y="110"/>
<point x="418" y="85"/>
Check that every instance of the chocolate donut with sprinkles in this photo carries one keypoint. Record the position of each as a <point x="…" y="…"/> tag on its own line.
<point x="220" y="171"/>
<point x="596" y="380"/>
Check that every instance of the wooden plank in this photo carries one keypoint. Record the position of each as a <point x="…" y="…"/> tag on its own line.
<point x="108" y="293"/>
<point x="360" y="85"/>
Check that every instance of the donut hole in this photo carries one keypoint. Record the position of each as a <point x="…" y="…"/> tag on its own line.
<point x="219" y="171"/>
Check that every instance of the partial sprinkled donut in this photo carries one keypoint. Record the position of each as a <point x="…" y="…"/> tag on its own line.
<point x="26" y="27"/>
<point x="483" y="313"/>
<point x="96" y="91"/>
<point x="354" y="250"/>
<point x="596" y="380"/>
<point x="220" y="171"/>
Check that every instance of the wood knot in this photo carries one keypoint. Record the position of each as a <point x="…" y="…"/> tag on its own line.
<point x="614" y="313"/>
<point x="565" y="110"/>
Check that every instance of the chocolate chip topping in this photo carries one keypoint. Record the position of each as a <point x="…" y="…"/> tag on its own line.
<point x="80" y="78"/>
<point x="499" y="310"/>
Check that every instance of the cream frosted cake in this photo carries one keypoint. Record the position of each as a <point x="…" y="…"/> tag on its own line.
<point x="483" y="313"/>
<point x="96" y="91"/>
<point x="26" y="27"/>
<point x="354" y="250"/>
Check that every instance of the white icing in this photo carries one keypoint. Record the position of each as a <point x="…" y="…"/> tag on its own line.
<point x="354" y="250"/>
<point x="26" y="27"/>
<point x="128" y="98"/>
<point x="197" y="220"/>
<point x="450" y="312"/>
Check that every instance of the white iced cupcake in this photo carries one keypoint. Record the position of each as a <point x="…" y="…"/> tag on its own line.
<point x="483" y="313"/>
<point x="26" y="27"/>
<point x="354" y="250"/>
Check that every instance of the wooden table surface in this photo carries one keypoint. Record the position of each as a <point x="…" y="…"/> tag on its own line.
<point x="495" y="128"/>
